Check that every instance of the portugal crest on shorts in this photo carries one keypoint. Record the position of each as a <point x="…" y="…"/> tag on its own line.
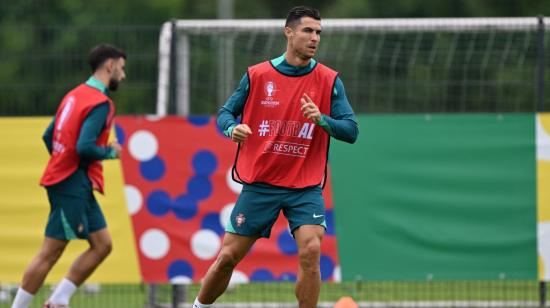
<point x="240" y="219"/>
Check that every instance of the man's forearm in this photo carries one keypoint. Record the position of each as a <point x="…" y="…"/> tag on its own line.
<point x="226" y="121"/>
<point x="345" y="130"/>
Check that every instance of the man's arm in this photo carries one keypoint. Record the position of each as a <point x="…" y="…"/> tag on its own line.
<point x="232" y="109"/>
<point x="48" y="135"/>
<point x="92" y="127"/>
<point x="341" y="123"/>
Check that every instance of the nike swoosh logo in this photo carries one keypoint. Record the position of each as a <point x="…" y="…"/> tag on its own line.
<point x="317" y="216"/>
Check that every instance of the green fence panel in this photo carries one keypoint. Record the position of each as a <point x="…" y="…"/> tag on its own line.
<point x="437" y="197"/>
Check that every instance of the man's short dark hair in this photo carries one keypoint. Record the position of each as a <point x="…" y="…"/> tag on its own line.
<point x="101" y="53"/>
<point x="297" y="12"/>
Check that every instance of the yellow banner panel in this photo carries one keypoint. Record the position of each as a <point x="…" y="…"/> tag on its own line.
<point x="543" y="194"/>
<point x="24" y="209"/>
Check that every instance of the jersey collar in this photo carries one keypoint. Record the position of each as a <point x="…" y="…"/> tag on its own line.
<point x="284" y="67"/>
<point x="94" y="83"/>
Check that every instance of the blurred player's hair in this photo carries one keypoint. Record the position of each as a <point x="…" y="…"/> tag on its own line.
<point x="101" y="53"/>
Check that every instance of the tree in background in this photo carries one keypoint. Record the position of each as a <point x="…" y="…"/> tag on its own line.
<point x="42" y="43"/>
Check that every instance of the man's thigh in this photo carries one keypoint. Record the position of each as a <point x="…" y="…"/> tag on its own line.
<point x="72" y="217"/>
<point x="96" y="219"/>
<point x="305" y="207"/>
<point x="254" y="214"/>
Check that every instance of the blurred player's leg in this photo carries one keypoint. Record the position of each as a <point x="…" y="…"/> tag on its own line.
<point x="22" y="299"/>
<point x="62" y="294"/>
<point x="217" y="278"/>
<point x="308" y="238"/>
<point x="100" y="247"/>
<point x="37" y="271"/>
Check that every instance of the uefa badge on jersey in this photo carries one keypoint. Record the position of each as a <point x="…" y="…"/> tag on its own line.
<point x="240" y="219"/>
<point x="269" y="88"/>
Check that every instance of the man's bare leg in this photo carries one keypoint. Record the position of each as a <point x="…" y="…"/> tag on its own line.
<point x="100" y="247"/>
<point x="40" y="266"/>
<point x="308" y="238"/>
<point x="234" y="248"/>
<point x="38" y="269"/>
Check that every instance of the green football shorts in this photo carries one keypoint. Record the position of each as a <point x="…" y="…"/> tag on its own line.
<point x="255" y="212"/>
<point x="73" y="217"/>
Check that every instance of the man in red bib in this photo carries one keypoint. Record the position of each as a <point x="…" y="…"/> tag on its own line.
<point x="290" y="107"/>
<point x="77" y="140"/>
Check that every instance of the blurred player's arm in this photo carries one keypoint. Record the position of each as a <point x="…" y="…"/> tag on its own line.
<point x="233" y="108"/>
<point x="341" y="123"/>
<point x="92" y="127"/>
<point x="48" y="135"/>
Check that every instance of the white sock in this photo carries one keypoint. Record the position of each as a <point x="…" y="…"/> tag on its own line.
<point x="63" y="292"/>
<point x="22" y="299"/>
<point x="199" y="305"/>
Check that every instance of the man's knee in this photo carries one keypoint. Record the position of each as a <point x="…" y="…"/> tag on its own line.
<point x="106" y="248"/>
<point x="51" y="251"/>
<point x="51" y="256"/>
<point x="103" y="248"/>
<point x="227" y="260"/>
<point x="101" y="243"/>
<point x="309" y="254"/>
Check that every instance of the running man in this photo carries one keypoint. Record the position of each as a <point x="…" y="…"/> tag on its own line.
<point x="290" y="108"/>
<point x="77" y="140"/>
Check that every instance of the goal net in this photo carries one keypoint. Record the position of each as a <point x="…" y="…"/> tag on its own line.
<point x="387" y="65"/>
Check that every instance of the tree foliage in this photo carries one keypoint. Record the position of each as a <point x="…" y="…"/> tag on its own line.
<point x="43" y="44"/>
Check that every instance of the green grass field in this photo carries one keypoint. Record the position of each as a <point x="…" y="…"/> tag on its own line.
<point x="130" y="296"/>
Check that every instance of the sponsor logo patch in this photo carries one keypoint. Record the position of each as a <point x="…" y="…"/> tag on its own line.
<point x="286" y="128"/>
<point x="286" y="148"/>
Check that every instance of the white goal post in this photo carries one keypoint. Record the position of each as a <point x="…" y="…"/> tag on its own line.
<point x="175" y="47"/>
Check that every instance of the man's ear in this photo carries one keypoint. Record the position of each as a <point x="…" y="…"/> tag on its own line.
<point x="110" y="65"/>
<point x="288" y="32"/>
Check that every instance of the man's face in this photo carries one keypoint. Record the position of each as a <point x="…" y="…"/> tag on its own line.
<point x="117" y="73"/>
<point x="304" y="37"/>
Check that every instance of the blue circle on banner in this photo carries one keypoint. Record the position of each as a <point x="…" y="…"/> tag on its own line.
<point x="329" y="219"/>
<point x="185" y="207"/>
<point x="198" y="120"/>
<point x="204" y="162"/>
<point x="119" y="133"/>
<point x="262" y="275"/>
<point x="287" y="277"/>
<point x="286" y="243"/>
<point x="211" y="221"/>
<point x="199" y="187"/>
<point x="153" y="169"/>
<point x="180" y="268"/>
<point x="327" y="267"/>
<point x="158" y="203"/>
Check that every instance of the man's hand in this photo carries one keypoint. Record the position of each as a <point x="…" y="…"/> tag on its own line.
<point x="116" y="147"/>
<point x="240" y="133"/>
<point x="310" y="110"/>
